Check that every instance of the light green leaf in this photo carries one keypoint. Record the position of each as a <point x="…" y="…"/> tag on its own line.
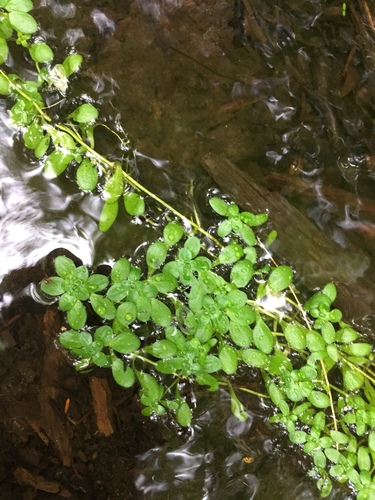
<point x="162" y="349"/>
<point x="206" y="379"/>
<point x="172" y="233"/>
<point x="295" y="336"/>
<point x="315" y="341"/>
<point x="85" y="113"/>
<point x="87" y="176"/>
<point x="77" y="315"/>
<point x="219" y="206"/>
<point x="228" y="358"/>
<point x="319" y="399"/>
<point x="328" y="333"/>
<point x="241" y="335"/>
<point x="72" y="339"/>
<point x="183" y="415"/>
<point x="237" y="407"/>
<point x="120" y="270"/>
<point x="193" y="245"/>
<point x="125" y="343"/>
<point x="248" y="236"/>
<point x="164" y="282"/>
<point x="346" y="335"/>
<point x="102" y="306"/>
<point x="18" y="5"/>
<point x="352" y="379"/>
<point x="56" y="163"/>
<point x="330" y="291"/>
<point x="339" y="437"/>
<point x="298" y="437"/>
<point x="230" y="254"/>
<point x="263" y="338"/>
<point x="41" y="52"/>
<point x="72" y="63"/>
<point x="96" y="283"/>
<point x="160" y="313"/>
<point x="364" y="460"/>
<point x="42" y="147"/>
<point x="126" y="313"/>
<point x="64" y="267"/>
<point x="241" y="273"/>
<point x="134" y="204"/>
<point x="52" y="286"/>
<point x="211" y="364"/>
<point x="225" y="227"/>
<point x="33" y="135"/>
<point x="143" y="308"/>
<point x="156" y="254"/>
<point x="4" y="51"/>
<point x="358" y="349"/>
<point x="255" y="358"/>
<point x="150" y="387"/>
<point x="280" y="278"/>
<point x="108" y="216"/>
<point x="371" y="441"/>
<point x="23" y="22"/>
<point x="124" y="378"/>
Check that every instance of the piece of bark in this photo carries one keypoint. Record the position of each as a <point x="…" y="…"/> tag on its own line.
<point x="315" y="257"/>
<point x="102" y="403"/>
<point x="23" y="476"/>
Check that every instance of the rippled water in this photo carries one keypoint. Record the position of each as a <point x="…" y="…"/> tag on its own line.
<point x="272" y="92"/>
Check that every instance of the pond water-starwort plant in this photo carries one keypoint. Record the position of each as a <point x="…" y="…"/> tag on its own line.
<point x="190" y="314"/>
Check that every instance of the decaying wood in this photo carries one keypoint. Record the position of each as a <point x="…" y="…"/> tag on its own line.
<point x="316" y="258"/>
<point x="23" y="476"/>
<point x="102" y="402"/>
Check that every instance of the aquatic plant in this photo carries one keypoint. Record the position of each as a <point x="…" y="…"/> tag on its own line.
<point x="193" y="313"/>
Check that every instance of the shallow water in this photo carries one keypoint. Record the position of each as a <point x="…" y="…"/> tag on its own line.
<point x="187" y="78"/>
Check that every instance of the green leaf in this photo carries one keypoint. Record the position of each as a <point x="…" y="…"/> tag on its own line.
<point x="96" y="283"/>
<point x="156" y="254"/>
<point x="162" y="349"/>
<point x="126" y="313"/>
<point x="4" y="51"/>
<point x="41" y="52"/>
<point x="120" y="270"/>
<point x="352" y="380"/>
<point x="328" y="333"/>
<point x="371" y="441"/>
<point x="56" y="163"/>
<point x="164" y="282"/>
<point x="42" y="147"/>
<point x="125" y="342"/>
<point x="72" y="339"/>
<point x="315" y="341"/>
<point x="150" y="387"/>
<point x="160" y="313"/>
<point x="211" y="364"/>
<point x="124" y="378"/>
<point x="65" y="267"/>
<point x="241" y="335"/>
<point x="67" y="301"/>
<point x="346" y="335"/>
<point x="248" y="236"/>
<point x="225" y="227"/>
<point x="206" y="379"/>
<point x="339" y="437"/>
<point x="193" y="245"/>
<point x="255" y="358"/>
<point x="332" y="454"/>
<point x="134" y="204"/>
<point x="230" y="254"/>
<point x="241" y="273"/>
<point x="298" y="437"/>
<point x="228" y="358"/>
<point x="33" y="135"/>
<point x="280" y="278"/>
<point x="295" y="335"/>
<point x="72" y="63"/>
<point x="237" y="407"/>
<point x="102" y="306"/>
<point x="319" y="399"/>
<point x="23" y="22"/>
<point x="330" y="291"/>
<point x="86" y="113"/>
<point x="108" y="216"/>
<point x="358" y="349"/>
<point x="263" y="338"/>
<point x="87" y="176"/>
<point x="219" y="206"/>
<point x="172" y="233"/>
<point x="77" y="315"/>
<point x="52" y="286"/>
<point x="364" y="460"/>
<point x="183" y="415"/>
<point x="18" y="5"/>
<point x="103" y="335"/>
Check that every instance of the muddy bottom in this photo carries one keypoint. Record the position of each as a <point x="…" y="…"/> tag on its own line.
<point x="62" y="433"/>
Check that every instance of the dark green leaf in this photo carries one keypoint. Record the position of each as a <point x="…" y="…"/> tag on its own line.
<point x="219" y="206"/>
<point x="280" y="278"/>
<point x="87" y="176"/>
<point x="206" y="379"/>
<point x="124" y="378"/>
<point x="263" y="338"/>
<point x="108" y="216"/>
<point x="120" y="271"/>
<point x="23" y="22"/>
<point x="134" y="204"/>
<point x="86" y="113"/>
<point x="125" y="342"/>
<point x="150" y="387"/>
<point x="160" y="313"/>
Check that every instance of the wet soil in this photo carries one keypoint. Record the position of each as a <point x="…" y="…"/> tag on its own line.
<point x="62" y="434"/>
